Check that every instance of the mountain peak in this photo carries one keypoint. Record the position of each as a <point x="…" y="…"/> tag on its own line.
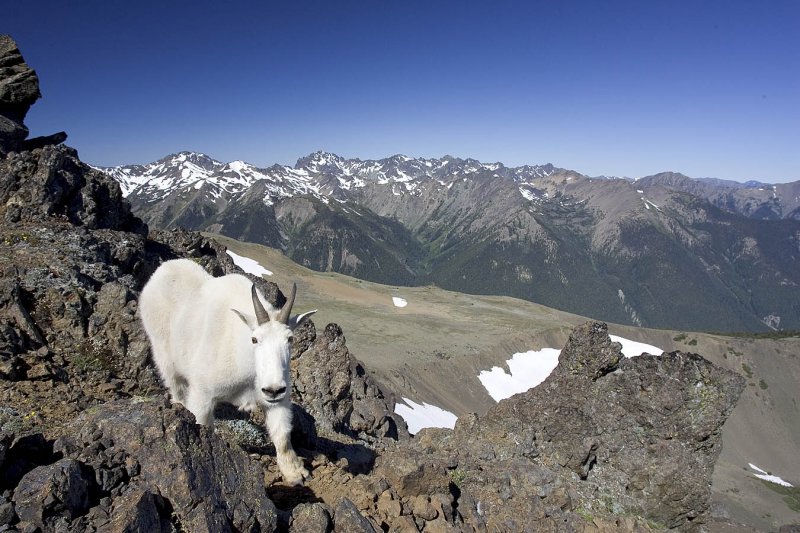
<point x="319" y="160"/>
<point x="670" y="175"/>
<point x="187" y="156"/>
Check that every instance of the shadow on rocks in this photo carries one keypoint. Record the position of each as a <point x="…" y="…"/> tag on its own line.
<point x="250" y="434"/>
<point x="350" y="455"/>
<point x="22" y="456"/>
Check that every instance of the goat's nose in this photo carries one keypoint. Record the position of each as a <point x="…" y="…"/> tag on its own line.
<point x="274" y="393"/>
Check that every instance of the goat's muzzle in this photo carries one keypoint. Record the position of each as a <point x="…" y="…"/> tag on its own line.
<point x="273" y="394"/>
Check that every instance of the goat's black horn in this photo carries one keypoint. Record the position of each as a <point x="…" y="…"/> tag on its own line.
<point x="262" y="316"/>
<point x="286" y="310"/>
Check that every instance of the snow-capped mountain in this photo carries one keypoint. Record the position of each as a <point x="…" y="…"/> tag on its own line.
<point x="320" y="174"/>
<point x="188" y="171"/>
<point x="611" y="248"/>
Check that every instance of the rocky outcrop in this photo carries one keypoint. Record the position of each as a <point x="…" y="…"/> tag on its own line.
<point x="337" y="393"/>
<point x="72" y="261"/>
<point x="72" y="264"/>
<point x="140" y="466"/>
<point x="84" y="432"/>
<point x="19" y="90"/>
<point x="148" y="464"/>
<point x="643" y="432"/>
<point x="604" y="441"/>
<point x="52" y="182"/>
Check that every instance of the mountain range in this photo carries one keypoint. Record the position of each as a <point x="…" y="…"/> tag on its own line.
<point x="659" y="251"/>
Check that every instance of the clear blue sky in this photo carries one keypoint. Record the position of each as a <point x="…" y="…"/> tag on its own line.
<point x="707" y="88"/>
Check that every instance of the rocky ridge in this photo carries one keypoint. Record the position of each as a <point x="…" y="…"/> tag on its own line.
<point x="88" y="441"/>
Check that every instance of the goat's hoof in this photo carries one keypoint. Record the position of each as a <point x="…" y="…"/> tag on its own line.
<point x="299" y="482"/>
<point x="297" y="477"/>
<point x="292" y="468"/>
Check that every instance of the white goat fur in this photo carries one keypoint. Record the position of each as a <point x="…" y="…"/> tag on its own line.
<point x="208" y="347"/>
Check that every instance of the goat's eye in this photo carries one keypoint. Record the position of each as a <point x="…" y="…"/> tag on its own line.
<point x="291" y="339"/>
<point x="254" y="340"/>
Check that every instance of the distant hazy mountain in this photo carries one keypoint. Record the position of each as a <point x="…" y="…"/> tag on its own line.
<point x="660" y="251"/>
<point x="752" y="199"/>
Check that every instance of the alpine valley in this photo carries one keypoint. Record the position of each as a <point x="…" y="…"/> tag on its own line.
<point x="663" y="251"/>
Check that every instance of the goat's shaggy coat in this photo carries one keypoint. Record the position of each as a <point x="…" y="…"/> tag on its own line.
<point x="216" y="339"/>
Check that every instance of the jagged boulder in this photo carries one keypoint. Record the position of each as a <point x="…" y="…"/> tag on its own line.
<point x="19" y="84"/>
<point x="130" y="465"/>
<point x="644" y="433"/>
<point x="52" y="182"/>
<point x="57" y="490"/>
<point x="340" y="396"/>
<point x="19" y="89"/>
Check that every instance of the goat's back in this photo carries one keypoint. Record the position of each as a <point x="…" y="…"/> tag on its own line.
<point x="186" y="312"/>
<point x="171" y="289"/>
<point x="173" y="284"/>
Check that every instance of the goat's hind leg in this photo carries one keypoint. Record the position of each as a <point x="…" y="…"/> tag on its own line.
<point x="177" y="389"/>
<point x="279" y="425"/>
<point x="175" y="382"/>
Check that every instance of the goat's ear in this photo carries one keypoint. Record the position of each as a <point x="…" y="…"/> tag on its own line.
<point x="247" y="319"/>
<point x="296" y="320"/>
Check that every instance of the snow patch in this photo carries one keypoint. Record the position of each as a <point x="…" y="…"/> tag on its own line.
<point x="251" y="266"/>
<point x="528" y="369"/>
<point x="633" y="349"/>
<point x="424" y="415"/>
<point x="528" y="195"/>
<point x="399" y="302"/>
<point x="763" y="474"/>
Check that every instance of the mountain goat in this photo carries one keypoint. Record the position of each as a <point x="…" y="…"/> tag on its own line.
<point x="214" y="340"/>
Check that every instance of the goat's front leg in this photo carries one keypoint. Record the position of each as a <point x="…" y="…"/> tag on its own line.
<point x="279" y="425"/>
<point x="202" y="406"/>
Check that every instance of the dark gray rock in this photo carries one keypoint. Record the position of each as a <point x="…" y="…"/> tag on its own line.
<point x="311" y="518"/>
<point x="53" y="182"/>
<point x="19" y="85"/>
<point x="203" y="483"/>
<point x="19" y="89"/>
<point x="12" y="135"/>
<point x="60" y="489"/>
<point x="5" y="443"/>
<point x="140" y="510"/>
<point x="25" y="453"/>
<point x="644" y="432"/>
<point x="412" y="473"/>
<point x="339" y="394"/>
<point x="347" y="518"/>
<point x="7" y="513"/>
<point x="590" y="352"/>
<point x="44" y="140"/>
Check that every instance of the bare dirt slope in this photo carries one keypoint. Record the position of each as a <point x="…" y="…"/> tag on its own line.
<point x="433" y="349"/>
